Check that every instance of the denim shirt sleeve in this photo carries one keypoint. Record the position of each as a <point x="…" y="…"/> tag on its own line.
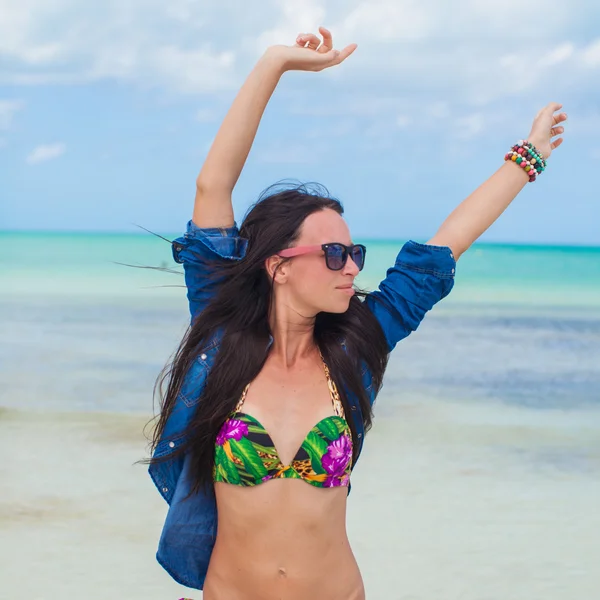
<point x="421" y="276"/>
<point x="200" y="250"/>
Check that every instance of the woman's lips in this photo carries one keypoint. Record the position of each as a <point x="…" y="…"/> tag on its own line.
<point x="347" y="289"/>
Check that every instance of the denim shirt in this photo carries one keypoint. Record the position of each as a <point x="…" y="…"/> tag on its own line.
<point x="421" y="276"/>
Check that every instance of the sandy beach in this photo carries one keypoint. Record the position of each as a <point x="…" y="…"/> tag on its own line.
<point x="480" y="503"/>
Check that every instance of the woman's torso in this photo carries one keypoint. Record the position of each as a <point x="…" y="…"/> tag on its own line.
<point x="284" y="538"/>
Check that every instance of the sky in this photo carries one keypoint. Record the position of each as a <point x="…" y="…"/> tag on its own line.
<point x="107" y="110"/>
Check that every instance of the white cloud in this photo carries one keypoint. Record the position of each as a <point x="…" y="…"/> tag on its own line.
<point x="146" y="42"/>
<point x="428" y="117"/>
<point x="591" y="55"/>
<point x="558" y="55"/>
<point x="8" y="109"/>
<point x="294" y="18"/>
<point x="507" y="20"/>
<point x="46" y="152"/>
<point x="389" y="20"/>
<point x="203" y="47"/>
<point x="199" y="71"/>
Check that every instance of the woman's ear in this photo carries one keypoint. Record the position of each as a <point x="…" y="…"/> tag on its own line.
<point x="276" y="265"/>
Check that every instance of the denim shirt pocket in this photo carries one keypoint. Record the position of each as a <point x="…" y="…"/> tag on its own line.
<point x="188" y="398"/>
<point x="191" y="390"/>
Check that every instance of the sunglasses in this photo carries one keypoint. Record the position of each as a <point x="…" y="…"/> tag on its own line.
<point x="336" y="254"/>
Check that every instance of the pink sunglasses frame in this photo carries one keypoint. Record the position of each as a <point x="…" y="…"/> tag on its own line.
<point x="299" y="250"/>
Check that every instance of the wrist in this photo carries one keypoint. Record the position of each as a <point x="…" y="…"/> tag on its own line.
<point x="532" y="139"/>
<point x="274" y="58"/>
<point x="525" y="155"/>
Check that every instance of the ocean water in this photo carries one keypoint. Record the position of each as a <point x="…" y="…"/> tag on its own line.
<point x="82" y="332"/>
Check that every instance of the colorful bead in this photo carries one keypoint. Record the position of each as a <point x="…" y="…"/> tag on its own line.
<point x="528" y="157"/>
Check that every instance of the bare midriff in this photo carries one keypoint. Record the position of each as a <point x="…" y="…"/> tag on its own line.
<point x="283" y="539"/>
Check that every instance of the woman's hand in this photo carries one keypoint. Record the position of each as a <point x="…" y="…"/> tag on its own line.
<point x="310" y="53"/>
<point x="546" y="127"/>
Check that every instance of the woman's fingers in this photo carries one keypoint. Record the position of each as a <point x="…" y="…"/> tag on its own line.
<point x="546" y="117"/>
<point x="336" y="57"/>
<point x="551" y="108"/>
<point x="559" y="118"/>
<point x="345" y="53"/>
<point x="327" y="44"/>
<point x="308" y="40"/>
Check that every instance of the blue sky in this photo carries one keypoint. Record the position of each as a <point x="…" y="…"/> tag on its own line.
<point x="107" y="110"/>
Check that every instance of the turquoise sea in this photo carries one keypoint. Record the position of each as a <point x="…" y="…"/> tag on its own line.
<point x="81" y="332"/>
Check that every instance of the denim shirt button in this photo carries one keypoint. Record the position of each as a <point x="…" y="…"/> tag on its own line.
<point x="171" y="444"/>
<point x="453" y="270"/>
<point x="354" y="408"/>
<point x="203" y="356"/>
<point x="359" y="436"/>
<point x="165" y="490"/>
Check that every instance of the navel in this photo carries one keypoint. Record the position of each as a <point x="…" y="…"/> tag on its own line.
<point x="282" y="572"/>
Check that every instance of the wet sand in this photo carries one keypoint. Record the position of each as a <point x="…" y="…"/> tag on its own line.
<point x="449" y="502"/>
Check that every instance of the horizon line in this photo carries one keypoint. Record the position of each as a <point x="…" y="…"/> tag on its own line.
<point x="117" y="233"/>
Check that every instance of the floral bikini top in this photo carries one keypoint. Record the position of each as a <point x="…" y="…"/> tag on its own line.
<point x="245" y="454"/>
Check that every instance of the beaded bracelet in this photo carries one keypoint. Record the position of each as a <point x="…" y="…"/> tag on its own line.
<point x="532" y="151"/>
<point x="524" y="164"/>
<point x="528" y="157"/>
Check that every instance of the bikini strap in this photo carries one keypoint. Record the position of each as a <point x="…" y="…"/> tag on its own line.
<point x="238" y="406"/>
<point x="333" y="391"/>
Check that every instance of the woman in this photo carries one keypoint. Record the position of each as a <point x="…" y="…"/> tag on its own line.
<point x="270" y="392"/>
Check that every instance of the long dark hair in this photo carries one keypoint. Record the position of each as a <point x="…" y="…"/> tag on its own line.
<point x="239" y="313"/>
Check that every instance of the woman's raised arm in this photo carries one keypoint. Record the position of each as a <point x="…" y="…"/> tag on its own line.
<point x="230" y="149"/>
<point x="477" y="212"/>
